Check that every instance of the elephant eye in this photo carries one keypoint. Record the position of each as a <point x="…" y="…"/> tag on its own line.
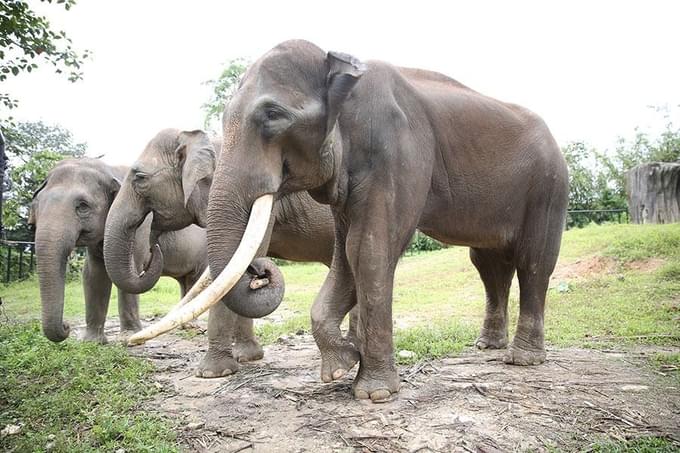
<point x="272" y="114"/>
<point x="82" y="207"/>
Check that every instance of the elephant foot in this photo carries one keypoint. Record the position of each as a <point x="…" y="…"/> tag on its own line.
<point x="95" y="336"/>
<point x="522" y="353"/>
<point x="216" y="364"/>
<point x="124" y="336"/>
<point x="247" y="351"/>
<point x="489" y="339"/>
<point x="131" y="326"/>
<point x="337" y="361"/>
<point x="376" y="386"/>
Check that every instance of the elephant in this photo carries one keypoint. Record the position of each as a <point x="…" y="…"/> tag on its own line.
<point x="389" y="149"/>
<point x="171" y="178"/>
<point x="69" y="209"/>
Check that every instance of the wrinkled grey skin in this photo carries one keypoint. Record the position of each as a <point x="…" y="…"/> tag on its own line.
<point x="171" y="178"/>
<point x="390" y="150"/>
<point x="69" y="209"/>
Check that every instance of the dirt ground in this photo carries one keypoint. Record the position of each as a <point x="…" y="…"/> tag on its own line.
<point x="472" y="402"/>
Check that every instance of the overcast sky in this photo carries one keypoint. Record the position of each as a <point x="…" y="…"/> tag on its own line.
<point x="589" y="68"/>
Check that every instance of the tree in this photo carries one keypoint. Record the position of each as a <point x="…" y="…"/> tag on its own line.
<point x="26" y="40"/>
<point x="33" y="149"/>
<point x="222" y="90"/>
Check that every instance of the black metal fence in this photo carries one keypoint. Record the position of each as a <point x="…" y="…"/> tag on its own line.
<point x="17" y="260"/>
<point x="582" y="217"/>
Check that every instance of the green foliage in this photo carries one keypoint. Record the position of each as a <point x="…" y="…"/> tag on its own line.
<point x="34" y="148"/>
<point x="597" y="179"/>
<point x="75" y="396"/>
<point x="223" y="89"/>
<point x="26" y="39"/>
<point x="640" y="445"/>
<point x="422" y="243"/>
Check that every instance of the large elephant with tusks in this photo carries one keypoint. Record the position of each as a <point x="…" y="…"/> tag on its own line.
<point x="390" y="149"/>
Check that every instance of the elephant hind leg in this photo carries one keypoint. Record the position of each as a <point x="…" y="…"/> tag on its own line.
<point x="535" y="256"/>
<point x="246" y="347"/>
<point x="496" y="272"/>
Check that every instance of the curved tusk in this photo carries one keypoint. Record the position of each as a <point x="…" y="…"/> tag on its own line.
<point x="230" y="275"/>
<point x="202" y="283"/>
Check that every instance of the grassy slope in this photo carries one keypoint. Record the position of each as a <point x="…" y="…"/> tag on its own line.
<point x="439" y="297"/>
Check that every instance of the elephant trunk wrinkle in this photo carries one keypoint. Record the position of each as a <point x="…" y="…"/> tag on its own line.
<point x="125" y="217"/>
<point x="53" y="246"/>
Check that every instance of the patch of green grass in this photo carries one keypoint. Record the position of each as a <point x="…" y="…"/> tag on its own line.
<point x="22" y="299"/>
<point x="629" y="308"/>
<point x="75" y="396"/>
<point x="640" y="445"/>
<point x="433" y="342"/>
<point x="670" y="271"/>
<point x="268" y="333"/>
<point x="638" y="242"/>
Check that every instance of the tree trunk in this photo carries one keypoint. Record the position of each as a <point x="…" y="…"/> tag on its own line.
<point x="3" y="166"/>
<point x="653" y="192"/>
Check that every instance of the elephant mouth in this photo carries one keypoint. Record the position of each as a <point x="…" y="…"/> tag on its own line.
<point x="253" y="236"/>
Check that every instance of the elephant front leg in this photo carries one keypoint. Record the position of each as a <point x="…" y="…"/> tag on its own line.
<point x="377" y="378"/>
<point x="219" y="360"/>
<point x="128" y="312"/>
<point x="246" y="347"/>
<point x="97" y="289"/>
<point x="334" y="301"/>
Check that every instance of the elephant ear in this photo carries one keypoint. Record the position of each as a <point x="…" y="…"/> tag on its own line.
<point x="196" y="157"/>
<point x="344" y="71"/>
<point x="34" y="203"/>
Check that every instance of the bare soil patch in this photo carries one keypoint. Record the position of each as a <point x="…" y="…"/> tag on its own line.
<point x="473" y="402"/>
<point x="597" y="265"/>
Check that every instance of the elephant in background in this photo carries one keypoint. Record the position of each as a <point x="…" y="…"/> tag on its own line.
<point x="69" y="209"/>
<point x="171" y="178"/>
<point x="390" y="149"/>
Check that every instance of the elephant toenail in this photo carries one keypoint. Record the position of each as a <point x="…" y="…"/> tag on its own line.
<point x="380" y="395"/>
<point x="361" y="394"/>
<point x="337" y="374"/>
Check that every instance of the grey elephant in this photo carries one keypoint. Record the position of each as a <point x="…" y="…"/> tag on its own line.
<point x="390" y="150"/>
<point x="171" y="178"/>
<point x="69" y="209"/>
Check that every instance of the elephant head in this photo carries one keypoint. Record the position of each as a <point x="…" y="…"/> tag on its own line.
<point x="69" y="209"/>
<point x="171" y="178"/>
<point x="280" y="136"/>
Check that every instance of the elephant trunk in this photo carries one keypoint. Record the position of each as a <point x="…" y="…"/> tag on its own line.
<point x="53" y="246"/>
<point x="266" y="281"/>
<point x="126" y="215"/>
<point x="229" y="211"/>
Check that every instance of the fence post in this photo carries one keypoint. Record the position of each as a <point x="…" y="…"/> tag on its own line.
<point x="21" y="262"/>
<point x="30" y="265"/>
<point x="9" y="263"/>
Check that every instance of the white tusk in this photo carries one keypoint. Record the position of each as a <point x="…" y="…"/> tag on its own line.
<point x="244" y="255"/>
<point x="202" y="283"/>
